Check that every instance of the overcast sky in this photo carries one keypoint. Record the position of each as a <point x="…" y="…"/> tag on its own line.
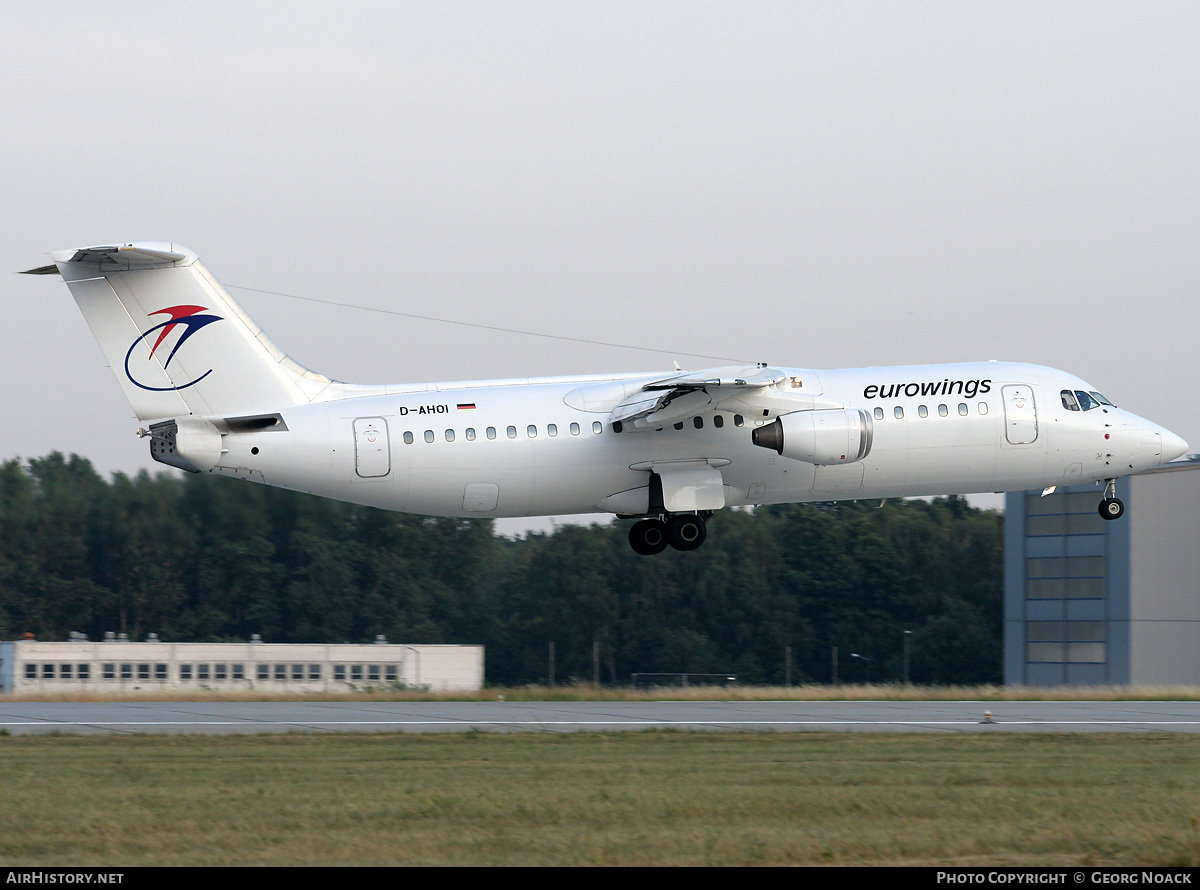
<point x="806" y="184"/>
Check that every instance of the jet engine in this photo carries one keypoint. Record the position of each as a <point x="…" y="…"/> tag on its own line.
<point x="826" y="437"/>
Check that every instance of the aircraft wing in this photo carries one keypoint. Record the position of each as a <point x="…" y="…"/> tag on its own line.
<point x="757" y="390"/>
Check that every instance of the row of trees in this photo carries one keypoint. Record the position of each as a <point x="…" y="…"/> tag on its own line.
<point x="206" y="558"/>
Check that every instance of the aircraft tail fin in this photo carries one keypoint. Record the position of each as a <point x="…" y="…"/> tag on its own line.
<point x="177" y="342"/>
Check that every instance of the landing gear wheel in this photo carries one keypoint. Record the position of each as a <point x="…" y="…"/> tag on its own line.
<point x="648" y="537"/>
<point x="1112" y="508"/>
<point x="686" y="532"/>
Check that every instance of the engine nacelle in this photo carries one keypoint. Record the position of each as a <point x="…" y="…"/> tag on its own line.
<point x="826" y="437"/>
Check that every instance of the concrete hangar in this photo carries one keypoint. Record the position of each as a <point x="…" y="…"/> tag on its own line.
<point x="121" y="666"/>
<point x="1090" y="602"/>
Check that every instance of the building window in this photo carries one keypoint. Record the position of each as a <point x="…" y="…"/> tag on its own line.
<point x="110" y="671"/>
<point x="356" y="672"/>
<point x="239" y="671"/>
<point x="281" y="672"/>
<point x="264" y="672"/>
<point x="144" y="671"/>
<point x="220" y="672"/>
<point x="85" y="672"/>
<point x="202" y="672"/>
<point x="314" y="672"/>
<point x="31" y="672"/>
<point x="392" y="674"/>
<point x="160" y="671"/>
<point x="64" y="671"/>
<point x="126" y="671"/>
<point x="47" y="672"/>
<point x="339" y="672"/>
<point x="297" y="672"/>
<point x="373" y="673"/>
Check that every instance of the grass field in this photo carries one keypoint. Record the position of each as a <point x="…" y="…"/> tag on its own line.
<point x="645" y="798"/>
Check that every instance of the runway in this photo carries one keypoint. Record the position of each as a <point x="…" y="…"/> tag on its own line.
<point x="30" y="718"/>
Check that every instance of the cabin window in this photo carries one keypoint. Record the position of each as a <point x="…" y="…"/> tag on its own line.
<point x="1086" y="402"/>
<point x="943" y="411"/>
<point x="983" y="407"/>
<point x="923" y="411"/>
<point x="491" y="432"/>
<point x="597" y="427"/>
<point x="878" y="413"/>
<point x="738" y="420"/>
<point x="449" y="435"/>
<point x="718" y="421"/>
<point x="1069" y="401"/>
<point x="408" y="438"/>
<point x="551" y="430"/>
<point x="1099" y="398"/>
<point x="899" y="412"/>
<point x="698" y="422"/>
<point x="531" y="431"/>
<point x="962" y="408"/>
<point x="574" y="429"/>
<point x="428" y="435"/>
<point x="512" y="432"/>
<point x="470" y="434"/>
<point x="618" y="427"/>
<point x="679" y="425"/>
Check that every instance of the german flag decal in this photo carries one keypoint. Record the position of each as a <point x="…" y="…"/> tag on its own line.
<point x="466" y="406"/>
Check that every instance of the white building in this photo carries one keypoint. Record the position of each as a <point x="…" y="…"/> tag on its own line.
<point x="30" y="666"/>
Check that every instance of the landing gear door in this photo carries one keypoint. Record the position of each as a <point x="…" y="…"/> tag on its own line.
<point x="372" y="452"/>
<point x="1020" y="415"/>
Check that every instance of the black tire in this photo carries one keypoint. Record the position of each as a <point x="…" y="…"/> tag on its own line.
<point x="648" y="537"/>
<point x="686" y="532"/>
<point x="1112" y="508"/>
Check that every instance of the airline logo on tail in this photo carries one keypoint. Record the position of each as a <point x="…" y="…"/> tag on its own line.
<point x="186" y="317"/>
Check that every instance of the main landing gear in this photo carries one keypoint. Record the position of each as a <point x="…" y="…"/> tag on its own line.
<point x="1112" y="507"/>
<point x="683" y="531"/>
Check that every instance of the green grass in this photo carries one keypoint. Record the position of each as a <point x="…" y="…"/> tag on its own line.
<point x="646" y="798"/>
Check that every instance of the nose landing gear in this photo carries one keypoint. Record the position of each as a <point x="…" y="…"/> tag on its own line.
<point x="1112" y="507"/>
<point x="683" y="531"/>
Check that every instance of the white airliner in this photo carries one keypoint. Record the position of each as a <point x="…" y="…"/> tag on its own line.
<point x="669" y="448"/>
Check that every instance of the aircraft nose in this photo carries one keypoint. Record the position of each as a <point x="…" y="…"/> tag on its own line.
<point x="1172" y="445"/>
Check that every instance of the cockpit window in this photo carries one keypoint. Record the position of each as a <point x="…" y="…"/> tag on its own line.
<point x="1086" y="402"/>
<point x="1099" y="398"/>
<point x="1069" y="401"/>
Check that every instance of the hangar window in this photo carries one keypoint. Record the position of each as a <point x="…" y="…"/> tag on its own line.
<point x="878" y="413"/>
<point x="962" y="408"/>
<point x="899" y="412"/>
<point x="408" y="437"/>
<point x="574" y="429"/>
